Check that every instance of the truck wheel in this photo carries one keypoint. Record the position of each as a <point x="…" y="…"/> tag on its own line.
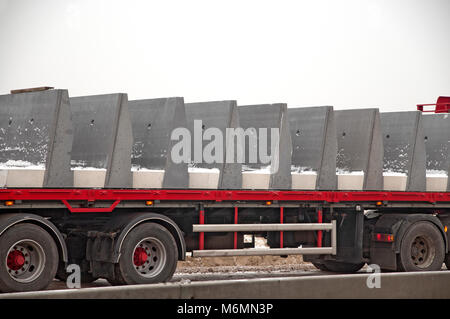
<point x="421" y="249"/>
<point x="29" y="259"/>
<point x="148" y="255"/>
<point x="342" y="267"/>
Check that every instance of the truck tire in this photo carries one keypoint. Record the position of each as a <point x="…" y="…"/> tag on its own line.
<point x="342" y="267"/>
<point x="422" y="248"/>
<point x="148" y="255"/>
<point x="29" y="258"/>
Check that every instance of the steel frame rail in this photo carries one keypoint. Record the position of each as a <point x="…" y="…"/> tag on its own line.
<point x="64" y="196"/>
<point x="92" y="195"/>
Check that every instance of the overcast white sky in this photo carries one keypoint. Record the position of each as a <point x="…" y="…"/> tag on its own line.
<point x="390" y="54"/>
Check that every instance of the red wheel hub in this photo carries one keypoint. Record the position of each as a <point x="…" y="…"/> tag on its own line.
<point x="140" y="256"/>
<point x="15" y="260"/>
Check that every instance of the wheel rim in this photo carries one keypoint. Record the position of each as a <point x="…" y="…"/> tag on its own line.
<point x="422" y="251"/>
<point x="25" y="261"/>
<point x="149" y="257"/>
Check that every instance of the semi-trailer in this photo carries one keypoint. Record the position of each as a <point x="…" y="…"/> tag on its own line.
<point x="94" y="181"/>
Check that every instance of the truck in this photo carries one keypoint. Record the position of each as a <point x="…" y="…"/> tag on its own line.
<point x="368" y="196"/>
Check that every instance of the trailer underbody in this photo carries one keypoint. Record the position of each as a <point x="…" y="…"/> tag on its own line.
<point x="335" y="230"/>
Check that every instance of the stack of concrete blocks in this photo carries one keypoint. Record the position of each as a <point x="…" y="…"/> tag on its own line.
<point x="359" y="160"/>
<point x="436" y="129"/>
<point x="314" y="148"/>
<point x="35" y="139"/>
<point x="102" y="141"/>
<point x="273" y="172"/>
<point x="208" y="123"/>
<point x="153" y="122"/>
<point x="49" y="140"/>
<point x="404" y="163"/>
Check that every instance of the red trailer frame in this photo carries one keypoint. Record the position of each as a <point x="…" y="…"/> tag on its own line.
<point x="10" y="197"/>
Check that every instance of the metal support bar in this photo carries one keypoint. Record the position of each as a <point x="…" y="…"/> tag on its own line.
<point x="235" y="222"/>
<point x="281" y="222"/>
<point x="319" y="233"/>
<point x="262" y="252"/>
<point x="261" y="227"/>
<point x="91" y="209"/>
<point x="201" y="241"/>
<point x="266" y="227"/>
<point x="333" y="237"/>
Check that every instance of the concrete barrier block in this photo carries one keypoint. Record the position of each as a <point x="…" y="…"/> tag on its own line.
<point x="360" y="147"/>
<point x="86" y="178"/>
<point x="353" y="181"/>
<point x="395" y="182"/>
<point x="103" y="136"/>
<point x="148" y="178"/>
<point x="218" y="115"/>
<point x="314" y="146"/>
<point x="404" y="147"/>
<point x="25" y="177"/>
<point x="306" y="181"/>
<point x="3" y="177"/>
<point x="153" y="121"/>
<point x="204" y="178"/>
<point x="268" y="116"/>
<point x="258" y="179"/>
<point x="36" y="131"/>
<point x="394" y="285"/>
<point x="436" y="130"/>
<point x="437" y="183"/>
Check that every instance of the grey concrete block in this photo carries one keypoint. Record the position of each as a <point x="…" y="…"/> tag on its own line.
<point x="103" y="136"/>
<point x="360" y="146"/>
<point x="36" y="128"/>
<point x="220" y="115"/>
<point x="314" y="143"/>
<point x="270" y="116"/>
<point x="408" y="285"/>
<point x="437" y="143"/>
<point x="404" y="147"/>
<point x="153" y="121"/>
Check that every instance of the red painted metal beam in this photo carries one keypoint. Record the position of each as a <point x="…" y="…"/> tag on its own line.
<point x="281" y="222"/>
<point x="201" y="240"/>
<point x="91" y="209"/>
<point x="441" y="106"/>
<point x="235" y="221"/>
<point x="319" y="232"/>
<point x="220" y="195"/>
